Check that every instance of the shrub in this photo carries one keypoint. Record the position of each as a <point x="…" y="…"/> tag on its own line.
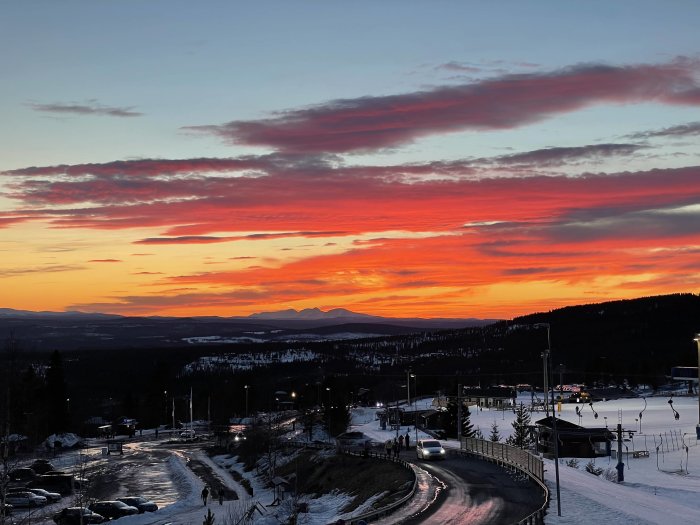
<point x="590" y="467"/>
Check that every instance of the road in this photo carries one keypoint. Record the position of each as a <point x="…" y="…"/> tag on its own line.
<point x="475" y="492"/>
<point x="457" y="490"/>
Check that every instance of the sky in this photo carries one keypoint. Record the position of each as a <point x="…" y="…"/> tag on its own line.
<point x="431" y="159"/>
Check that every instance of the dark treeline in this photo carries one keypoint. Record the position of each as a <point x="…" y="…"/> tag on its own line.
<point x="635" y="341"/>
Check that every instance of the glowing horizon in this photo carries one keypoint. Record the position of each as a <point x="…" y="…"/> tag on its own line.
<point x="486" y="184"/>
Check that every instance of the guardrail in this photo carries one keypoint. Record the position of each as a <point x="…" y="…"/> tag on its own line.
<point x="512" y="457"/>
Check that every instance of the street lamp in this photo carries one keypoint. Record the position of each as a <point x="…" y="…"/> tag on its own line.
<point x="246" y="400"/>
<point x="328" y="412"/>
<point x="415" y="406"/>
<point x="547" y="365"/>
<point x="408" y="387"/>
<point x="697" y="427"/>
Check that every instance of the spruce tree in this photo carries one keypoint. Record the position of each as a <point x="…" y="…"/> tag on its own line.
<point x="495" y="435"/>
<point x="451" y="423"/>
<point x="521" y="436"/>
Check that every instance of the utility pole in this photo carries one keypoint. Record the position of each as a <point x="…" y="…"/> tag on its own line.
<point x="545" y="387"/>
<point x="620" y="467"/>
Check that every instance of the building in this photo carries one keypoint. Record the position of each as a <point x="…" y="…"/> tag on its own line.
<point x="574" y="441"/>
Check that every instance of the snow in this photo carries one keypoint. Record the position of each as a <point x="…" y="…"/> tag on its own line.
<point x="663" y="488"/>
<point x="666" y="493"/>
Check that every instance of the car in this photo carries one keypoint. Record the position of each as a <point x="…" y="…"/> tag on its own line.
<point x="6" y="510"/>
<point x="51" y="497"/>
<point x="187" y="434"/>
<point x="113" y="509"/>
<point x="353" y="440"/>
<point x="238" y="437"/>
<point x="429" y="449"/>
<point x="42" y="466"/>
<point x="25" y="499"/>
<point x="22" y="474"/>
<point x="77" y="516"/>
<point x="141" y="503"/>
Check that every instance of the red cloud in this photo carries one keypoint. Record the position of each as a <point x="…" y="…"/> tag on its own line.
<point x="371" y="123"/>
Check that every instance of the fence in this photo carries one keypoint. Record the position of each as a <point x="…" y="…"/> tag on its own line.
<point x="512" y="457"/>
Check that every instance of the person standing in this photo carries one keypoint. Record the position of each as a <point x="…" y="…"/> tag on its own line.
<point x="205" y="495"/>
<point x="400" y="441"/>
<point x="395" y="447"/>
<point x="407" y="440"/>
<point x="221" y="495"/>
<point x="387" y="447"/>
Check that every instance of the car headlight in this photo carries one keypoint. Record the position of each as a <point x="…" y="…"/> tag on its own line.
<point x="442" y="451"/>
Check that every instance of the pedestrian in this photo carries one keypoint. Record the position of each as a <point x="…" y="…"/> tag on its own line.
<point x="205" y="495"/>
<point x="400" y="441"/>
<point x="387" y="447"/>
<point x="395" y="447"/>
<point x="407" y="439"/>
<point x="221" y="495"/>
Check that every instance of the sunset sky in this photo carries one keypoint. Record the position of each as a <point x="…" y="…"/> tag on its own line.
<point x="431" y="159"/>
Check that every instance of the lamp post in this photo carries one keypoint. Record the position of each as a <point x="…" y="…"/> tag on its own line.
<point x="408" y="387"/>
<point x="246" y="400"/>
<point x="415" y="406"/>
<point x="328" y="412"/>
<point x="547" y="365"/>
<point x="697" y="427"/>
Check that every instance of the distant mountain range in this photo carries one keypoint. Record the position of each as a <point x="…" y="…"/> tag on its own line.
<point x="73" y="330"/>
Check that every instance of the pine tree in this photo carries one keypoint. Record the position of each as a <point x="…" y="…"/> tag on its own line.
<point x="521" y="437"/>
<point x="495" y="435"/>
<point x="451" y="423"/>
<point x="467" y="427"/>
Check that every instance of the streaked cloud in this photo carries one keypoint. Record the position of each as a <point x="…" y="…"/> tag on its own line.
<point x="690" y="129"/>
<point x="506" y="102"/>
<point x="91" y="107"/>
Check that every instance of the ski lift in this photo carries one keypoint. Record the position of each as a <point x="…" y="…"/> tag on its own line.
<point x="595" y="414"/>
<point x="642" y="412"/>
<point x="676" y="415"/>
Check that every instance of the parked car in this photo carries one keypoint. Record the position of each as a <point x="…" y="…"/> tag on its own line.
<point x="51" y="497"/>
<point x="429" y="449"/>
<point x="25" y="499"/>
<point x="187" y="434"/>
<point x="22" y="474"/>
<point x="353" y="440"/>
<point x="141" y="503"/>
<point x="42" y="466"/>
<point x="72" y="516"/>
<point x="113" y="509"/>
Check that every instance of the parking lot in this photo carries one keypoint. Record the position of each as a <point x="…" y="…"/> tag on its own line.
<point x="143" y="469"/>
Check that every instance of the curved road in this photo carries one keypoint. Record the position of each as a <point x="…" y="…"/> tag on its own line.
<point x="457" y="490"/>
<point x="475" y="492"/>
